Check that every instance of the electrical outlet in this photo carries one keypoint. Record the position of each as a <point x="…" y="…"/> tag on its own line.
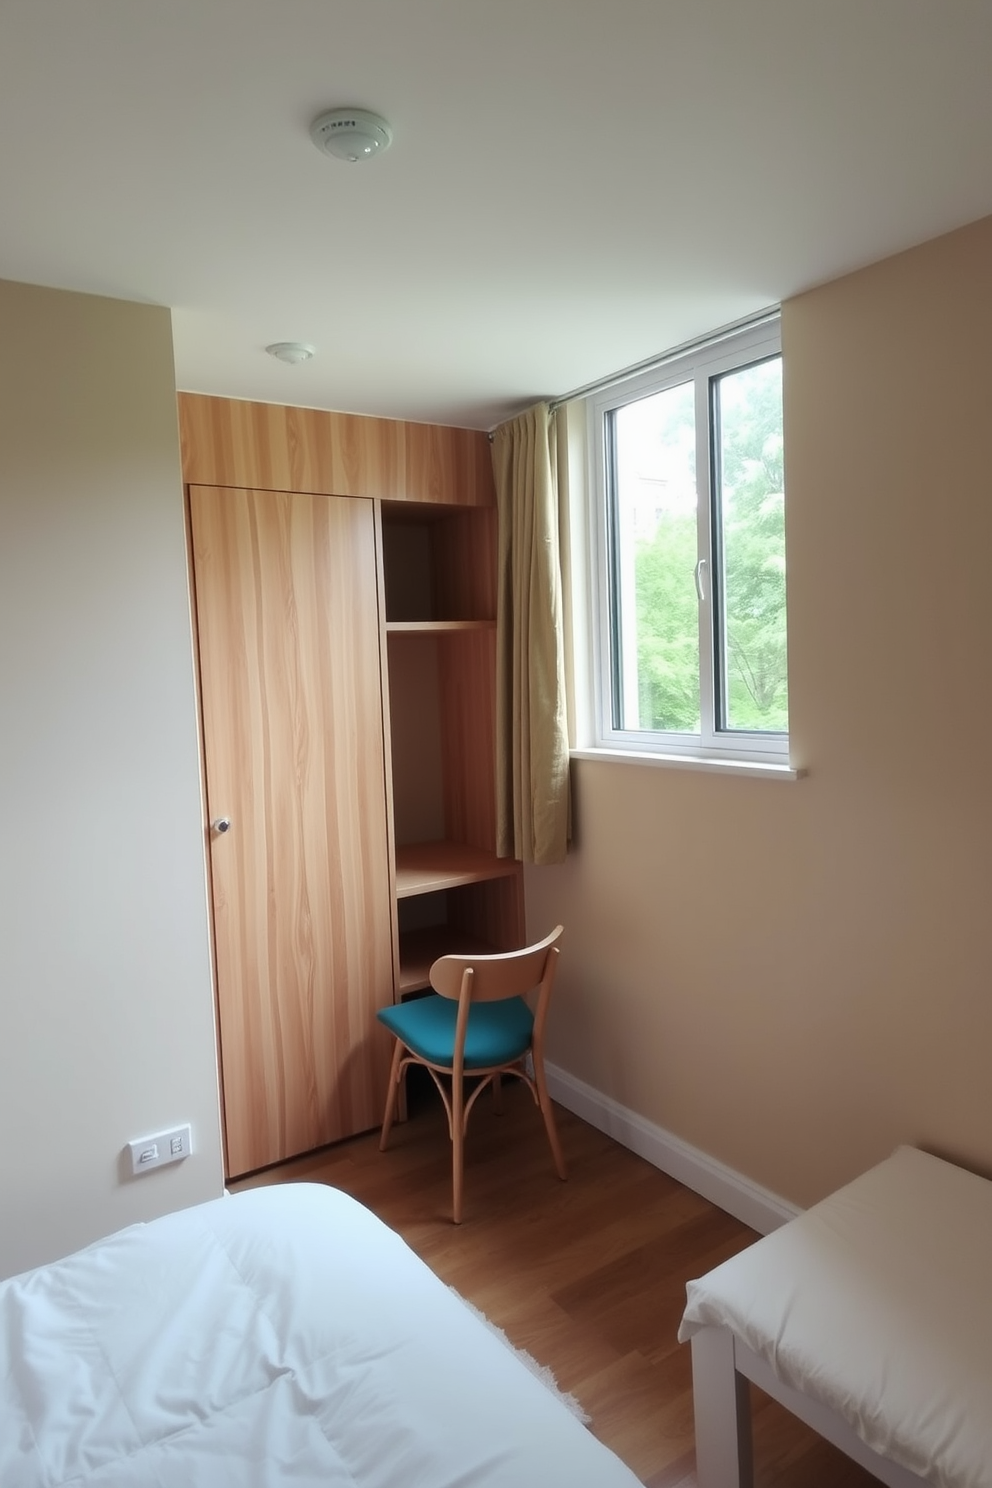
<point x="161" y="1148"/>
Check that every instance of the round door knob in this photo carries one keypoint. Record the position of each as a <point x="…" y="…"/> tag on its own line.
<point x="222" y="824"/>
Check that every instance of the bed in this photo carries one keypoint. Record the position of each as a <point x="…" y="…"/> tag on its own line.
<point x="283" y="1336"/>
<point x="869" y="1316"/>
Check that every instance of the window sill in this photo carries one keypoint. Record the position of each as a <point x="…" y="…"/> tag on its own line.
<point x="761" y="769"/>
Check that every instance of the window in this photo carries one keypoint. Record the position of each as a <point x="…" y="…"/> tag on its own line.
<point x="688" y="462"/>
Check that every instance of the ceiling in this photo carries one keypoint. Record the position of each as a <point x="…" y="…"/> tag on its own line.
<point x="573" y="185"/>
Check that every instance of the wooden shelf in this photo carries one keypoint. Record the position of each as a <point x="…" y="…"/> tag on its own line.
<point x="439" y="594"/>
<point x="419" y="949"/>
<point x="394" y="627"/>
<point x="424" y="867"/>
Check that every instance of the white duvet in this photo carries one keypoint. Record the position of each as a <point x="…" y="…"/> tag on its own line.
<point x="280" y="1337"/>
<point x="877" y="1303"/>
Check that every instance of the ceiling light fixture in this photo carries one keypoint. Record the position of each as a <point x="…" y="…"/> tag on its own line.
<point x="292" y="352"/>
<point x="351" y="134"/>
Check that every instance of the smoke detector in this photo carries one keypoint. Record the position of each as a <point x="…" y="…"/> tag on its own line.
<point x="292" y="352"/>
<point x="351" y="134"/>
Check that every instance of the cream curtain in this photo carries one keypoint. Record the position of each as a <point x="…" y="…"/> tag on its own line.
<point x="532" y="787"/>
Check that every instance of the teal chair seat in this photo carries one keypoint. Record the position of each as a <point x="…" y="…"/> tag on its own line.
<point x="497" y="1033"/>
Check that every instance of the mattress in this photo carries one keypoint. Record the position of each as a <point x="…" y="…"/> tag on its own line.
<point x="282" y="1336"/>
<point x="876" y="1303"/>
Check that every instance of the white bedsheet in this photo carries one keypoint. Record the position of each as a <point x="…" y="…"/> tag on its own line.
<point x="283" y="1336"/>
<point x="877" y="1302"/>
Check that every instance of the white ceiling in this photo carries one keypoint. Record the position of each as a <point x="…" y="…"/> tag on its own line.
<point x="573" y="186"/>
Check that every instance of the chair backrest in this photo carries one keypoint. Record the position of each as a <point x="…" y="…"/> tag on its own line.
<point x="508" y="974"/>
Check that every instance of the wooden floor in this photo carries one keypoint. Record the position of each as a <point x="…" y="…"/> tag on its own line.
<point x="588" y="1275"/>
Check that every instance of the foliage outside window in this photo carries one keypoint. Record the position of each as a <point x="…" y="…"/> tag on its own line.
<point x="689" y="460"/>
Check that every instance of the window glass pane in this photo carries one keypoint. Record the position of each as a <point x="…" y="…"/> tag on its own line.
<point x="656" y="617"/>
<point x="750" y="515"/>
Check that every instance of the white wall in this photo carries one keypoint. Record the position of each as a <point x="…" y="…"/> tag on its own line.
<point x="795" y="977"/>
<point x="106" y="1013"/>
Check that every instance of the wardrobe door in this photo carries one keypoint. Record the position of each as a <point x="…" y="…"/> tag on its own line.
<point x="288" y="630"/>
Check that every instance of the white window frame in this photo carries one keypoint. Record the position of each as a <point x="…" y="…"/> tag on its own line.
<point x="700" y="363"/>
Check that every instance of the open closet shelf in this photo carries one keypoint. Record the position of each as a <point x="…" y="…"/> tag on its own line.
<point x="423" y="867"/>
<point x="419" y="949"/>
<point x="394" y="626"/>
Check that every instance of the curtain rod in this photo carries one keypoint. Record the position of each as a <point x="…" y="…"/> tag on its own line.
<point x="662" y="360"/>
<point x="746" y="323"/>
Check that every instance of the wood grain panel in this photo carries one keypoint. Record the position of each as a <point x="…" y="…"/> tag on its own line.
<point x="492" y="912"/>
<point x="394" y="941"/>
<point x="414" y="709"/>
<point x="227" y="442"/>
<point x="467" y="678"/>
<point x="408" y="562"/>
<point x="288" y="628"/>
<point x="465" y="565"/>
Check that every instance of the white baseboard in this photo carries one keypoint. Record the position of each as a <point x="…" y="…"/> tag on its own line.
<point x="753" y="1205"/>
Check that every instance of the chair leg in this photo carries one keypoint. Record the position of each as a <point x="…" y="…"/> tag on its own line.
<point x="457" y="1146"/>
<point x="497" y="1084"/>
<point x="391" y="1095"/>
<point x="544" y="1101"/>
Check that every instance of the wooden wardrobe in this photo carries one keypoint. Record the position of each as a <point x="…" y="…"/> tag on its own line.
<point x="343" y="576"/>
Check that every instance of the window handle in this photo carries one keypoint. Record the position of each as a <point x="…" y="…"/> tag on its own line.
<point x="698" y="576"/>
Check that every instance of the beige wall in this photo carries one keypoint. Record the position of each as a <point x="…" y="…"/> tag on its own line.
<point x="106" y="1021"/>
<point x="797" y="977"/>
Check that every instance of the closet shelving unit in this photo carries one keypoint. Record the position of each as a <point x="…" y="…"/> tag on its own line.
<point x="452" y="892"/>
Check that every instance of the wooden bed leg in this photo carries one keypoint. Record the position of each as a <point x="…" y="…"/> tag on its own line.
<point x="722" y="1411"/>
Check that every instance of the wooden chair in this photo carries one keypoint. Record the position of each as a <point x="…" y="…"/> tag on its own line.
<point x="477" y="1022"/>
